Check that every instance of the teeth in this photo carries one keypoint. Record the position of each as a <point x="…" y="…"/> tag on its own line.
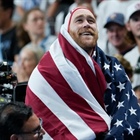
<point x="86" y="33"/>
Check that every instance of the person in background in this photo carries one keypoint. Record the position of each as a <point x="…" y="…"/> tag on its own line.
<point x="83" y="93"/>
<point x="19" y="122"/>
<point x="8" y="40"/>
<point x="21" y="6"/>
<point x="77" y="3"/>
<point x="27" y="61"/>
<point x="105" y="9"/>
<point x="22" y="36"/>
<point x="55" y="8"/>
<point x="133" y="26"/>
<point x="34" y="24"/>
<point x="116" y="35"/>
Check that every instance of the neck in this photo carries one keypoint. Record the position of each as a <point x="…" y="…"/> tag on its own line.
<point x="36" y="38"/>
<point x="90" y="51"/>
<point x="7" y="26"/>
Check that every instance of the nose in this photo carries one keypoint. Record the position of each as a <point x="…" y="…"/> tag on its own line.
<point x="86" y="24"/>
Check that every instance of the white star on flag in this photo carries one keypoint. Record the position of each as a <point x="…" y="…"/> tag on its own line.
<point x="113" y="97"/>
<point x="94" y="53"/>
<point x="108" y="85"/>
<point x="120" y="104"/>
<point x="132" y="111"/>
<point x="106" y="66"/>
<point x="117" y="67"/>
<point x="121" y="86"/>
<point x="128" y="96"/>
<point x="138" y="123"/>
<point x="118" y="123"/>
<point x="106" y="106"/>
<point x="134" y="93"/>
<point x="125" y="116"/>
<point x="109" y="133"/>
<point x="130" y="130"/>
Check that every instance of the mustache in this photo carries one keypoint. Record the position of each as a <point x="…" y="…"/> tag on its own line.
<point x="90" y="31"/>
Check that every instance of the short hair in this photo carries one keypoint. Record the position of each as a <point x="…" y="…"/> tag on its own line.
<point x="7" y="4"/>
<point x="36" y="50"/>
<point x="12" y="118"/>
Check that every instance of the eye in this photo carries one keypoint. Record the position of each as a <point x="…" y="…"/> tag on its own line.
<point x="135" y="19"/>
<point x="79" y="20"/>
<point x="91" y="21"/>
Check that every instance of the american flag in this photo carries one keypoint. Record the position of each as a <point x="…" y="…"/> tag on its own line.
<point x="81" y="97"/>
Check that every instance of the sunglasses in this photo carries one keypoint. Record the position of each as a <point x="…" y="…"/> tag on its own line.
<point x="37" y="132"/>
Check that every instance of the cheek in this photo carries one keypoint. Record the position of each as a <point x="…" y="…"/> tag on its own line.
<point x="109" y="35"/>
<point x="73" y="33"/>
<point x="32" y="64"/>
<point x="30" y="27"/>
<point x="29" y="67"/>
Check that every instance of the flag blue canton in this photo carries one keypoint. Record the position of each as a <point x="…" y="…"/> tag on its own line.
<point x="120" y="100"/>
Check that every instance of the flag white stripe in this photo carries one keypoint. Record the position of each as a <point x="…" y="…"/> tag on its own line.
<point x="69" y="117"/>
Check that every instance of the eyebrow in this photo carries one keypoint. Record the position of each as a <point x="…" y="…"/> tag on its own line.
<point x="81" y="16"/>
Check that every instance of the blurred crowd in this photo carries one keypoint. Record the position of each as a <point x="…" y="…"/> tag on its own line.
<point x="29" y="27"/>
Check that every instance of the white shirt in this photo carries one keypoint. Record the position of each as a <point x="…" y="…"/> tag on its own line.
<point x="132" y="56"/>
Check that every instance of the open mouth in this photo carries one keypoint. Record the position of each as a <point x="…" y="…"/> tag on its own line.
<point x="87" y="33"/>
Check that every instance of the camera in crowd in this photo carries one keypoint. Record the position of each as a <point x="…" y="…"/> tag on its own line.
<point x="8" y="81"/>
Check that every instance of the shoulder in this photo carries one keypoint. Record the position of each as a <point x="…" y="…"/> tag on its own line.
<point x="132" y="52"/>
<point x="130" y="56"/>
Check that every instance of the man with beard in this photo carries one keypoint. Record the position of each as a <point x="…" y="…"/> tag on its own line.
<point x="133" y="26"/>
<point x="79" y="91"/>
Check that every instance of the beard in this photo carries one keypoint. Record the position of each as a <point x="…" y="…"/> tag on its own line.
<point x="87" y="39"/>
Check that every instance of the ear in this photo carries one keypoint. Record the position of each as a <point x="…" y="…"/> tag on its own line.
<point x="14" y="137"/>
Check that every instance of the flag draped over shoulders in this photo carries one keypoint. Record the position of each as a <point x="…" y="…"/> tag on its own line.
<point x="81" y="97"/>
<point x="64" y="89"/>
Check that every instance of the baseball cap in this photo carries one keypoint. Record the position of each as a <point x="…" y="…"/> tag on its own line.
<point x="134" y="7"/>
<point x="117" y="18"/>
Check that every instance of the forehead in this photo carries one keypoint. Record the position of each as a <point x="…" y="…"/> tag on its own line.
<point x="35" y="13"/>
<point x="82" y="13"/>
<point x="27" y="53"/>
